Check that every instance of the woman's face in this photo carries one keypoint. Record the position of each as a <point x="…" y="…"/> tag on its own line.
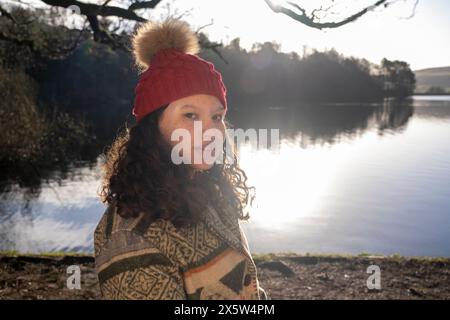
<point x="181" y="114"/>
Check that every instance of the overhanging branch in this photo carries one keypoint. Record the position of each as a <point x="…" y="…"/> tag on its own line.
<point x="310" y="20"/>
<point x="90" y="9"/>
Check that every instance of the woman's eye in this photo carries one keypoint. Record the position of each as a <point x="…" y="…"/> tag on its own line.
<point x="218" y="117"/>
<point x="189" y="115"/>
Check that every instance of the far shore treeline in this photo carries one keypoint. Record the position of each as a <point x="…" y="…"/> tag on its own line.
<point x="60" y="105"/>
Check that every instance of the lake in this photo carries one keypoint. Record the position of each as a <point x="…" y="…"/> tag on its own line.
<point x="347" y="178"/>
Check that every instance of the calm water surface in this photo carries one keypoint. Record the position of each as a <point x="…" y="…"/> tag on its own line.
<point x="348" y="178"/>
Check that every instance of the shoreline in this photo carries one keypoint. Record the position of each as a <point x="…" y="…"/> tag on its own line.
<point x="282" y="275"/>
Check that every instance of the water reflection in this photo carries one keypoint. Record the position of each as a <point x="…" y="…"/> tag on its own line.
<point x="60" y="217"/>
<point x="347" y="178"/>
<point x="325" y="123"/>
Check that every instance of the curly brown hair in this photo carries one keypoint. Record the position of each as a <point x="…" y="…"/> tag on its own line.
<point x="139" y="176"/>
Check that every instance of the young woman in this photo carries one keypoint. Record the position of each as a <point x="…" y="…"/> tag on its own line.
<point x="171" y="230"/>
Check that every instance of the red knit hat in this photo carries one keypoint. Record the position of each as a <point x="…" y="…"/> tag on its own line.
<point x="167" y="52"/>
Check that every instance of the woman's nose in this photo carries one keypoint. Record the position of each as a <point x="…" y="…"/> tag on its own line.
<point x="207" y="124"/>
<point x="210" y="135"/>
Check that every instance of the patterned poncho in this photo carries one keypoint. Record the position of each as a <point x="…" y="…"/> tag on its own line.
<point x="137" y="258"/>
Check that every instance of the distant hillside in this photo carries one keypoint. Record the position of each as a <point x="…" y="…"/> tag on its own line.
<point x="433" y="77"/>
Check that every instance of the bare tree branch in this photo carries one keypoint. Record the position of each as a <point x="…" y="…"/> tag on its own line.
<point x="144" y="5"/>
<point x="310" y="20"/>
<point x="413" y="12"/>
<point x="206" y="25"/>
<point x="90" y="9"/>
<point x="101" y="34"/>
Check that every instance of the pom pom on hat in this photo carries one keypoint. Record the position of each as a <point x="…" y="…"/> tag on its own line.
<point x="152" y="37"/>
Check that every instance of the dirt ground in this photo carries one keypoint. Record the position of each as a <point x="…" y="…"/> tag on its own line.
<point x="282" y="276"/>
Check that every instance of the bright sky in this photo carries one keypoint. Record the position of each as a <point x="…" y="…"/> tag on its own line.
<point x="384" y="33"/>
